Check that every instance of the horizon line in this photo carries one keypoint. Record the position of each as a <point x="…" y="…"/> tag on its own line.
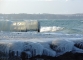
<point x="39" y="13"/>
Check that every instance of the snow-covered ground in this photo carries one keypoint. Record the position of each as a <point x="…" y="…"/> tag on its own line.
<point x="33" y="43"/>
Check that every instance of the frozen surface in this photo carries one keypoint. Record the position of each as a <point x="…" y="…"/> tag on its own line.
<point x="33" y="44"/>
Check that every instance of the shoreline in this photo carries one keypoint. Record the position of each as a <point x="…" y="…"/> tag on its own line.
<point x="66" y="56"/>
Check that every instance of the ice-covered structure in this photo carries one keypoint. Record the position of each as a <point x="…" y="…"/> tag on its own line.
<point x="19" y="26"/>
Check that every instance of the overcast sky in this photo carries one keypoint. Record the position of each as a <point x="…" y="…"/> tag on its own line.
<point x="41" y="6"/>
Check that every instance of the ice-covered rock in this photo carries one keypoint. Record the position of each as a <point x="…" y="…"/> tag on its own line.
<point x="47" y="50"/>
<point x="34" y="48"/>
<point x="77" y="50"/>
<point x="79" y="43"/>
<point x="3" y="47"/>
<point x="62" y="46"/>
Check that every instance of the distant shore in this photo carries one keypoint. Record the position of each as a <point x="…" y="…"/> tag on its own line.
<point x="40" y="16"/>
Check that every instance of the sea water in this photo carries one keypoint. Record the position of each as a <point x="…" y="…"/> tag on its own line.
<point x="61" y="33"/>
<point x="62" y="26"/>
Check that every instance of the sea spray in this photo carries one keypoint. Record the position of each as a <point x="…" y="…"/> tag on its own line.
<point x="50" y="29"/>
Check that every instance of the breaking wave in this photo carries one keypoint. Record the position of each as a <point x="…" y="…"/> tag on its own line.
<point x="50" y="29"/>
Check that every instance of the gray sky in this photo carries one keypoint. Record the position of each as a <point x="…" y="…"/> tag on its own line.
<point x="41" y="6"/>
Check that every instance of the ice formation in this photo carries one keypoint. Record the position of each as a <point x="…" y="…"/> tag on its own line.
<point x="38" y="44"/>
<point x="62" y="46"/>
<point x="79" y="43"/>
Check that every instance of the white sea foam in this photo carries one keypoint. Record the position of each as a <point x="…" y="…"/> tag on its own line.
<point x="50" y="29"/>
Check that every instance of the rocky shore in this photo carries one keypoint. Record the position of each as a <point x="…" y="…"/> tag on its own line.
<point x="66" y="56"/>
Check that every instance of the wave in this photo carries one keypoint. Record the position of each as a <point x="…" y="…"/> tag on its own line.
<point x="50" y="29"/>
